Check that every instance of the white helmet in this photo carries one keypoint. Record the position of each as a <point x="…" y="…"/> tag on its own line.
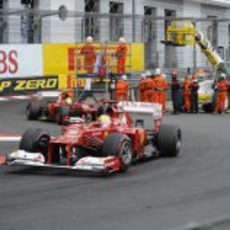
<point x="143" y="75"/>
<point x="148" y="73"/>
<point x="89" y="39"/>
<point x="122" y="40"/>
<point x="158" y="71"/>
<point x="223" y="75"/>
<point x="124" y="77"/>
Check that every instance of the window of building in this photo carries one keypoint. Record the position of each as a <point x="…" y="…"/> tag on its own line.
<point x="116" y="20"/>
<point x="91" y="22"/>
<point x="150" y="37"/>
<point x="229" y="35"/>
<point x="212" y="32"/>
<point x="149" y="24"/>
<point x="2" y="24"/>
<point x="27" y="22"/>
<point x="228" y="48"/>
<point x="170" y="52"/>
<point x="169" y="13"/>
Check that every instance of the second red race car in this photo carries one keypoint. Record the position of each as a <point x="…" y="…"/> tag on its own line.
<point x="107" y="145"/>
<point x="62" y="109"/>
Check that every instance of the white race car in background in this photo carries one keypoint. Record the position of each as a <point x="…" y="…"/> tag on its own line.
<point x="206" y="96"/>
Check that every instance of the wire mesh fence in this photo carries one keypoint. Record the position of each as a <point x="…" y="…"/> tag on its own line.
<point x="33" y="26"/>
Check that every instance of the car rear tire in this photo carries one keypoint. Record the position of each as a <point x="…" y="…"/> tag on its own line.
<point x="169" y="141"/>
<point x="62" y="112"/>
<point x="35" y="140"/>
<point x="33" y="110"/>
<point x="118" y="145"/>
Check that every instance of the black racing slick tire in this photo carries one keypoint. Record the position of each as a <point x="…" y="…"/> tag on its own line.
<point x="33" y="110"/>
<point x="35" y="140"/>
<point x="169" y="141"/>
<point x="62" y="112"/>
<point x="118" y="145"/>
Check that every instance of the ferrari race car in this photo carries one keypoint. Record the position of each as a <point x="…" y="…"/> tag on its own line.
<point x="103" y="147"/>
<point x="60" y="111"/>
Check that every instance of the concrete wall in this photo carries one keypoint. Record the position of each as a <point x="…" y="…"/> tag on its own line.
<point x="14" y="23"/>
<point x="59" y="30"/>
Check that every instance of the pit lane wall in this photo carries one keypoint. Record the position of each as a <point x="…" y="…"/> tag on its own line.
<point x="25" y="69"/>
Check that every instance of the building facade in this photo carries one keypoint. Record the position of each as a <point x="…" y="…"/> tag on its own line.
<point x="136" y="20"/>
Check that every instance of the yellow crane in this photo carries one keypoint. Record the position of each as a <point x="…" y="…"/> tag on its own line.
<point x="184" y="34"/>
<point x="180" y="33"/>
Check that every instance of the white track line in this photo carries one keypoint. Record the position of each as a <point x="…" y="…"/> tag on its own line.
<point x="10" y="138"/>
<point x="20" y="97"/>
<point x="14" y="98"/>
<point x="25" y="97"/>
<point x="4" y="99"/>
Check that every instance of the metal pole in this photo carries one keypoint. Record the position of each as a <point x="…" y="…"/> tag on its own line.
<point x="40" y="29"/>
<point x="82" y="30"/>
<point x="134" y="20"/>
<point x="194" y="54"/>
<point x="106" y="69"/>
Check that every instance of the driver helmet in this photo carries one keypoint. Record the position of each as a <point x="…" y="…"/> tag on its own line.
<point x="104" y="120"/>
<point x="69" y="101"/>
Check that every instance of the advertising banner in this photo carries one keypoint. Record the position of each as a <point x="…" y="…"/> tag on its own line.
<point x="96" y="60"/>
<point x="21" y="60"/>
<point x="23" y="86"/>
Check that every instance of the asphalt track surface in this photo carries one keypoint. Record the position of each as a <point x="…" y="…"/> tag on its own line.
<point x="160" y="194"/>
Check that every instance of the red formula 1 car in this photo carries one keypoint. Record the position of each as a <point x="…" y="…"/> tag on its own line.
<point x="104" y="147"/>
<point x="60" y="111"/>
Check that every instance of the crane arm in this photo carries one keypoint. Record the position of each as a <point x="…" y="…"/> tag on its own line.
<point x="206" y="48"/>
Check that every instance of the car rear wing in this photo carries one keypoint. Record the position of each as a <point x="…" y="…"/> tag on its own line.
<point x="144" y="114"/>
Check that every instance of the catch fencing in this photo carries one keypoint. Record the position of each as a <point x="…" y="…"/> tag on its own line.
<point x="143" y="33"/>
